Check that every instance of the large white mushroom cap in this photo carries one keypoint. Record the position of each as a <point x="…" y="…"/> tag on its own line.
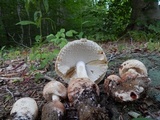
<point x="24" y="108"/>
<point x="133" y="66"/>
<point x="82" y="50"/>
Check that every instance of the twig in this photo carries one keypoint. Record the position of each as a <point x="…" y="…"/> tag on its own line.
<point x="48" y="78"/>
<point x="19" y="65"/>
<point x="12" y="36"/>
<point x="13" y="78"/>
<point x="10" y="92"/>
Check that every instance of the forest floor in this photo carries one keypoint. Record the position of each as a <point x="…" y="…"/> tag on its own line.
<point x="17" y="81"/>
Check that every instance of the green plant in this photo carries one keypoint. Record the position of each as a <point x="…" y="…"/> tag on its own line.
<point x="2" y="54"/>
<point x="150" y="32"/>
<point x="60" y="39"/>
<point x="101" y="20"/>
<point x="43" y="55"/>
<point x="151" y="45"/>
<point x="38" y="16"/>
<point x="154" y="30"/>
<point x="138" y="35"/>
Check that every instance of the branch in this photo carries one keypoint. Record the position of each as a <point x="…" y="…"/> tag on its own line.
<point x="12" y="36"/>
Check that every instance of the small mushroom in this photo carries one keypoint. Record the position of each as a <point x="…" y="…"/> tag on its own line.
<point x="133" y="66"/>
<point x="131" y="73"/>
<point x="24" y="109"/>
<point x="131" y="89"/>
<point x="86" y="51"/>
<point x="53" y="111"/>
<point x="111" y="82"/>
<point x="53" y="92"/>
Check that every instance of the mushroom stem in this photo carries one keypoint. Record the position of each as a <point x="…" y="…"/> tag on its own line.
<point x="81" y="70"/>
<point x="88" y="106"/>
<point x="55" y="98"/>
<point x="83" y="94"/>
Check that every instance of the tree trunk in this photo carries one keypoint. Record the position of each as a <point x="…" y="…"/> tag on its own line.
<point x="143" y="11"/>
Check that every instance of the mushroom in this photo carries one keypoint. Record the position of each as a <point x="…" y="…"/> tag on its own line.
<point x="131" y="89"/>
<point x="24" y="109"/>
<point x="111" y="82"/>
<point x="131" y="85"/>
<point x="84" y="51"/>
<point x="78" y="86"/>
<point x="81" y="83"/>
<point x="133" y="66"/>
<point x="53" y="92"/>
<point x="83" y="94"/>
<point x="53" y="111"/>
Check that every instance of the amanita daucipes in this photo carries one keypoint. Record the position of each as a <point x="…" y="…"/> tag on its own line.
<point x="133" y="67"/>
<point x="83" y="64"/>
<point x="86" y="51"/>
<point x="111" y="82"/>
<point x="24" y="109"/>
<point x="131" y="84"/>
<point x="54" y="109"/>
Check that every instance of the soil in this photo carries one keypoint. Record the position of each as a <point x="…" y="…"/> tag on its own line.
<point x="148" y="106"/>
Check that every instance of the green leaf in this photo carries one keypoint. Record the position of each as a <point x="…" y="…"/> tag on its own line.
<point x="46" y="6"/>
<point x="56" y="51"/>
<point x="62" y="30"/>
<point x="53" y="40"/>
<point x="80" y="35"/>
<point x="85" y="22"/>
<point x="58" y="35"/>
<point x="27" y="6"/>
<point x="2" y="48"/>
<point x="26" y="23"/>
<point x="38" y="38"/>
<point x="73" y="31"/>
<point x="62" y="35"/>
<point x="69" y="33"/>
<point x="37" y="15"/>
<point x="50" y="37"/>
<point x="62" y="44"/>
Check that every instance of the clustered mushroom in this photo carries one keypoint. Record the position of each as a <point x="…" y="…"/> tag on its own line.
<point x="83" y="64"/>
<point x="131" y="84"/>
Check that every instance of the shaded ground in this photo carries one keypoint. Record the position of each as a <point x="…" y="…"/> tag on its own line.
<point x="149" y="105"/>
